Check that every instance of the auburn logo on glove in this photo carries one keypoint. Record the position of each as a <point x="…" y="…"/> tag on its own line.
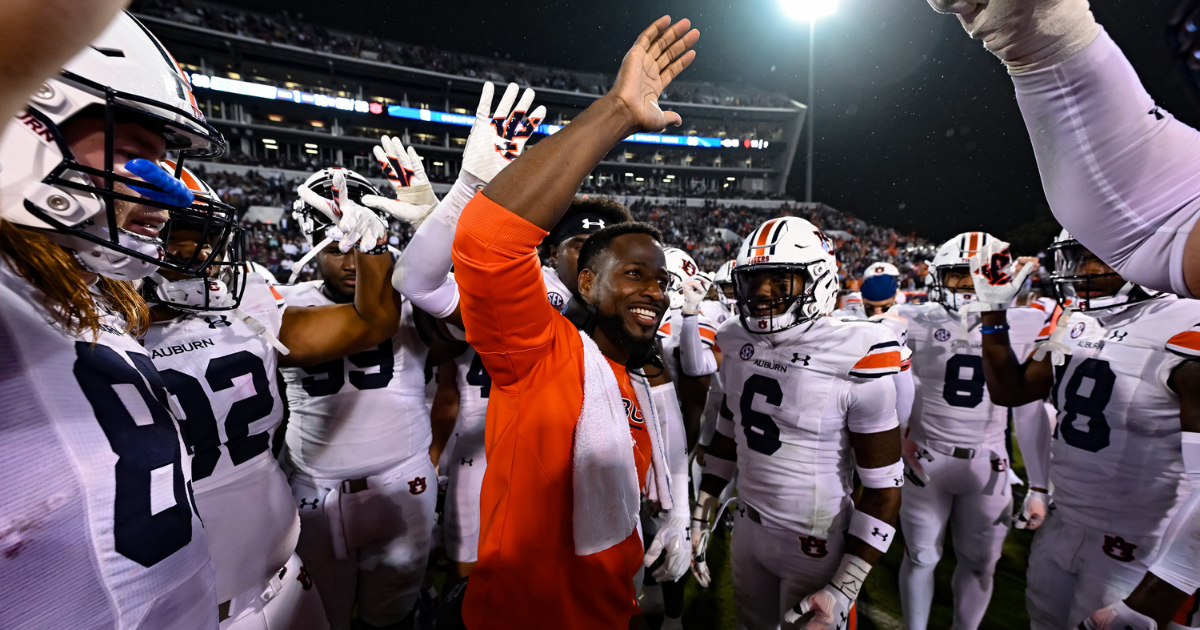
<point x="996" y="269"/>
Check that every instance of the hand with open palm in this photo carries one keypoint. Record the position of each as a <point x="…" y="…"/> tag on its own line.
<point x="659" y="55"/>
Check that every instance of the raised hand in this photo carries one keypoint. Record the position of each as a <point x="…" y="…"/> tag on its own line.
<point x="1026" y="35"/>
<point x="998" y="278"/>
<point x="414" y="194"/>
<point x="659" y="55"/>
<point x="358" y="225"/>
<point x="498" y="137"/>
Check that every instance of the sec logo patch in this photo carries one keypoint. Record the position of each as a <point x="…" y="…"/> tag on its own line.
<point x="942" y="334"/>
<point x="1078" y="330"/>
<point x="556" y="300"/>
<point x="747" y="352"/>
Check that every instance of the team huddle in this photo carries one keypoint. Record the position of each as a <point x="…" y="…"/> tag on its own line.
<point x="189" y="443"/>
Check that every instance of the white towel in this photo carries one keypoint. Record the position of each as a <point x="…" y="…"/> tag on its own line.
<point x="604" y="475"/>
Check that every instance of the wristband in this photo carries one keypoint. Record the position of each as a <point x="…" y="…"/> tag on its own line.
<point x="987" y="330"/>
<point x="718" y="467"/>
<point x="871" y="530"/>
<point x="886" y="477"/>
<point x="381" y="248"/>
<point x="851" y="574"/>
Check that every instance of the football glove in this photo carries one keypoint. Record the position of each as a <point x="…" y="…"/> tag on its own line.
<point x="1033" y="510"/>
<point x="700" y="532"/>
<point x="693" y="294"/>
<point x="1118" y="617"/>
<point x="672" y="543"/>
<point x="499" y="137"/>
<point x="358" y="225"/>
<point x="911" y="453"/>
<point x="827" y="609"/>
<point x="1026" y="35"/>
<point x="1054" y="345"/>
<point x="997" y="282"/>
<point x="414" y="194"/>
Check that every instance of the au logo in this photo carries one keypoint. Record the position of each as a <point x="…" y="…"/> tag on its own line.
<point x="747" y="352"/>
<point x="417" y="486"/>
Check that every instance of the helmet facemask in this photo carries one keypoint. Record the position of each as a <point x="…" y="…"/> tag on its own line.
<point x="1085" y="291"/>
<point x="219" y="287"/>
<point x="787" y="306"/>
<point x="953" y="298"/>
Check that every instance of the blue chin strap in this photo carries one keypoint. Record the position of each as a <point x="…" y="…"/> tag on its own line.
<point x="172" y="191"/>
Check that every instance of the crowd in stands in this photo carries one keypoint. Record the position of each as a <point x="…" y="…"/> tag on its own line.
<point x="710" y="234"/>
<point x="291" y="28"/>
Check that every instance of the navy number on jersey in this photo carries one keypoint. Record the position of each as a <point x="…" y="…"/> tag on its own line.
<point x="1087" y="393"/>
<point x="370" y="369"/>
<point x="200" y="428"/>
<point x="146" y="528"/>
<point x="762" y="434"/>
<point x="964" y="383"/>
<point x="477" y="376"/>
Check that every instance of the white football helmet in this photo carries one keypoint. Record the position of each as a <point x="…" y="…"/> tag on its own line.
<point x="880" y="268"/>
<point x="221" y="285"/>
<point x="955" y="255"/>
<point x="681" y="268"/>
<point x="313" y="222"/>
<point x="789" y="245"/>
<point x="124" y="75"/>
<point x="1075" y="289"/>
<point x="724" y="281"/>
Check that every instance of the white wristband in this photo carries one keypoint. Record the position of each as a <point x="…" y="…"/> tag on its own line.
<point x="851" y="574"/>
<point x="718" y="467"/>
<point x="871" y="530"/>
<point x="886" y="477"/>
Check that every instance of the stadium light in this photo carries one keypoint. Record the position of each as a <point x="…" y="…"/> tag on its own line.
<point x="808" y="10"/>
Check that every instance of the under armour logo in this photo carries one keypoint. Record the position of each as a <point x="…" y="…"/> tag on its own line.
<point x="1157" y="113"/>
<point x="796" y="357"/>
<point x="417" y="486"/>
<point x="304" y="503"/>
<point x="1119" y="549"/>
<point x="899" y="481"/>
<point x="468" y="462"/>
<point x="1118" y="335"/>
<point x="589" y="224"/>
<point x="213" y="322"/>
<point x="304" y="578"/>
<point x="880" y="534"/>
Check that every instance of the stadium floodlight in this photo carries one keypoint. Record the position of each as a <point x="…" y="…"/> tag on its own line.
<point x="808" y="10"/>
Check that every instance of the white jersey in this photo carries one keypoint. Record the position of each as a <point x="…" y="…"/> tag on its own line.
<point x="97" y="526"/>
<point x="668" y="335"/>
<point x="224" y="377"/>
<point x="952" y="405"/>
<point x="474" y="387"/>
<point x="556" y="291"/>
<point x="790" y="404"/>
<point x="1117" y="462"/>
<point x="361" y="414"/>
<point x="715" y="311"/>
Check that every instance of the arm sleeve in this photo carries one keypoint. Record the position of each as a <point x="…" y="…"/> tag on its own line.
<point x="422" y="273"/>
<point x="666" y="402"/>
<point x="696" y="357"/>
<point x="504" y="307"/>
<point x="1120" y="173"/>
<point x="1031" y="424"/>
<point x="1178" y="561"/>
<point x="872" y="406"/>
<point x="906" y="393"/>
<point x="712" y="407"/>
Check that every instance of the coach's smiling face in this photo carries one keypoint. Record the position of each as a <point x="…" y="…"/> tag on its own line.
<point x="627" y="284"/>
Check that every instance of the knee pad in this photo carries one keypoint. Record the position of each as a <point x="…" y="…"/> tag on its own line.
<point x="923" y="555"/>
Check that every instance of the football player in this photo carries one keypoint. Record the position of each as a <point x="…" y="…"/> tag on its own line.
<point x="584" y="218"/>
<point x="718" y="304"/>
<point x="358" y="437"/>
<point x="807" y="403"/>
<point x="217" y="340"/>
<point x="1125" y="381"/>
<point x="99" y="528"/>
<point x="1118" y="170"/>
<point x="955" y="442"/>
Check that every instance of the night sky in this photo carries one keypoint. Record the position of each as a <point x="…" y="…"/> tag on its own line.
<point x="917" y="125"/>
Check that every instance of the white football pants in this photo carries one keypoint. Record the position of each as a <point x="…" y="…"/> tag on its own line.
<point x="972" y="495"/>
<point x="288" y="601"/>
<point x="465" y="467"/>
<point x="368" y="540"/>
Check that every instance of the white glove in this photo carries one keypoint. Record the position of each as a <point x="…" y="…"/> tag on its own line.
<point x="1118" y="617"/>
<point x="414" y="194"/>
<point x="693" y="294"/>
<point x="997" y="282"/>
<point x="1033" y="511"/>
<point x="1026" y="35"/>
<point x="827" y="609"/>
<point x="700" y="531"/>
<point x="358" y="225"/>
<point x="672" y="540"/>
<point x="1054" y="345"/>
<point x="912" y="457"/>
<point x="498" y="138"/>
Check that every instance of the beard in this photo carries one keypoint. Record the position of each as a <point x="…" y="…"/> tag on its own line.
<point x="614" y="328"/>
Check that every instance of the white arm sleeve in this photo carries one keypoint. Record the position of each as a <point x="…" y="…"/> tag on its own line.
<point x="1122" y="175"/>
<point x="697" y="359"/>
<point x="906" y="393"/>
<point x="666" y="402"/>
<point x="712" y="408"/>
<point x="872" y="406"/>
<point x="422" y="273"/>
<point x="1031" y="424"/>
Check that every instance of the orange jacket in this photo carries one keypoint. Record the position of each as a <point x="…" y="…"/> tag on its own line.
<point x="528" y="575"/>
